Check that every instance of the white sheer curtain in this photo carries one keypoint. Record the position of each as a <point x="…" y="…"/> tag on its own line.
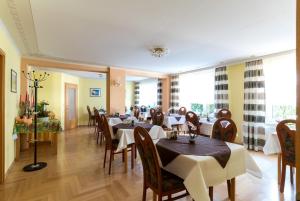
<point x="148" y="92"/>
<point x="280" y="80"/>
<point x="197" y="88"/>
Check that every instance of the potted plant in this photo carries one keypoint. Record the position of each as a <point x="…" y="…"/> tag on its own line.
<point x="43" y="114"/>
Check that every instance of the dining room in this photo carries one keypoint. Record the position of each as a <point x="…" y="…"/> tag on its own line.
<point x="172" y="100"/>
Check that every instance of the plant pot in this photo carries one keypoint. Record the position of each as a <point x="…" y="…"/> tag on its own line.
<point x="43" y="119"/>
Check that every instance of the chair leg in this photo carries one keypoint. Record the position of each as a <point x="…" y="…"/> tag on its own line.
<point x="170" y="197"/>
<point x="105" y="157"/>
<point x="211" y="193"/>
<point x="282" y="181"/>
<point x="291" y="175"/>
<point x="110" y="160"/>
<point x="159" y="197"/>
<point x="101" y="137"/>
<point x="144" y="192"/>
<point x="228" y="187"/>
<point x="98" y="135"/>
<point x="132" y="156"/>
<point x="123" y="156"/>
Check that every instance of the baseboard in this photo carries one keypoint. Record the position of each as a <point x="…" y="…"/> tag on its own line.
<point x="9" y="169"/>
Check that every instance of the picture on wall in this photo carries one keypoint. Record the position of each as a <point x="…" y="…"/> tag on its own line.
<point x="95" y="92"/>
<point x="13" y="81"/>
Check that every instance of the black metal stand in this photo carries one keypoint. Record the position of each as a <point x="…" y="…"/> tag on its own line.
<point x="35" y="165"/>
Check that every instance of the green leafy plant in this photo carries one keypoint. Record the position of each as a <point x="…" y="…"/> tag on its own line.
<point x="197" y="108"/>
<point x="41" y="109"/>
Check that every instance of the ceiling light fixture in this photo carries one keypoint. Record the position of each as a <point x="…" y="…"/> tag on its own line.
<point x="159" y="51"/>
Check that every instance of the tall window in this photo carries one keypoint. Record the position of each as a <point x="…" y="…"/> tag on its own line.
<point x="197" y="91"/>
<point x="280" y="80"/>
<point x="148" y="92"/>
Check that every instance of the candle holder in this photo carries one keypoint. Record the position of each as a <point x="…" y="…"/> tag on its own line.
<point x="35" y="81"/>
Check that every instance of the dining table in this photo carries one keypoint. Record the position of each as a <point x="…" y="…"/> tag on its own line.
<point x="124" y="132"/>
<point x="174" y="120"/>
<point x="205" y="163"/>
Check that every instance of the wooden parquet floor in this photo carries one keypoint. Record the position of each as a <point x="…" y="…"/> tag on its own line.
<point x="76" y="174"/>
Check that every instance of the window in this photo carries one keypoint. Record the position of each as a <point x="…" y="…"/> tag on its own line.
<point x="148" y="92"/>
<point x="280" y="87"/>
<point x="197" y="91"/>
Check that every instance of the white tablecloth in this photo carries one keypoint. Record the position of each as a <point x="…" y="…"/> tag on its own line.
<point x="117" y="120"/>
<point x="126" y="136"/>
<point x="200" y="172"/>
<point x="206" y="126"/>
<point x="114" y="121"/>
<point x="171" y="120"/>
<point x="272" y="145"/>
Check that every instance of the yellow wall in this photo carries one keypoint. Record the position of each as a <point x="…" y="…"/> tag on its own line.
<point x="54" y="93"/>
<point x="85" y="99"/>
<point x="236" y="96"/>
<point x="51" y="92"/>
<point x="129" y="91"/>
<point x="12" y="61"/>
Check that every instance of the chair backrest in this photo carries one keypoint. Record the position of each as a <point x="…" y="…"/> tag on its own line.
<point x="152" y="112"/>
<point x="286" y="134"/>
<point x="224" y="113"/>
<point x="105" y="127"/>
<point x="224" y="129"/>
<point x="89" y="110"/>
<point x="96" y="114"/>
<point x="146" y="149"/>
<point x="158" y="119"/>
<point x="193" y="119"/>
<point x="136" y="112"/>
<point x="182" y="111"/>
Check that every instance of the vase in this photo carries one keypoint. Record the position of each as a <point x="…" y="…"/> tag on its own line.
<point x="192" y="140"/>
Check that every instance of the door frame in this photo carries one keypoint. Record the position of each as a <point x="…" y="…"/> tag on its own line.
<point x="76" y="102"/>
<point x="2" y="116"/>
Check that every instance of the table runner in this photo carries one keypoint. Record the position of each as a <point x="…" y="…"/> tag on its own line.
<point x="146" y="126"/>
<point x="168" y="150"/>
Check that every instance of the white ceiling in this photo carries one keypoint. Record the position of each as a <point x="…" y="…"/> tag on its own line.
<point x="198" y="33"/>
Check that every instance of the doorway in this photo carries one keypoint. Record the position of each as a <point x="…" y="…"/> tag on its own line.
<point x="2" y="116"/>
<point x="71" y="111"/>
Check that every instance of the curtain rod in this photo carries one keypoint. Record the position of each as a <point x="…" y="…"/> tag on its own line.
<point x="237" y="61"/>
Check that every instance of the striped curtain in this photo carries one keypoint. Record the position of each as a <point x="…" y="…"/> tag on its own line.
<point x="254" y="106"/>
<point x="174" y="94"/>
<point x="136" y="93"/>
<point x="159" y="92"/>
<point x="221" y="88"/>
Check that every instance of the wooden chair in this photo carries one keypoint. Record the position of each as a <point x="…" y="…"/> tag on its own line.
<point x="182" y="111"/>
<point x="96" y="117"/>
<point x="160" y="181"/>
<point x="286" y="137"/>
<point x="193" y="119"/>
<point x="91" y="117"/>
<point x="152" y="112"/>
<point x="112" y="144"/>
<point x="99" y="129"/>
<point x="158" y="119"/>
<point x="224" y="113"/>
<point x="136" y="112"/>
<point x="224" y="129"/>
